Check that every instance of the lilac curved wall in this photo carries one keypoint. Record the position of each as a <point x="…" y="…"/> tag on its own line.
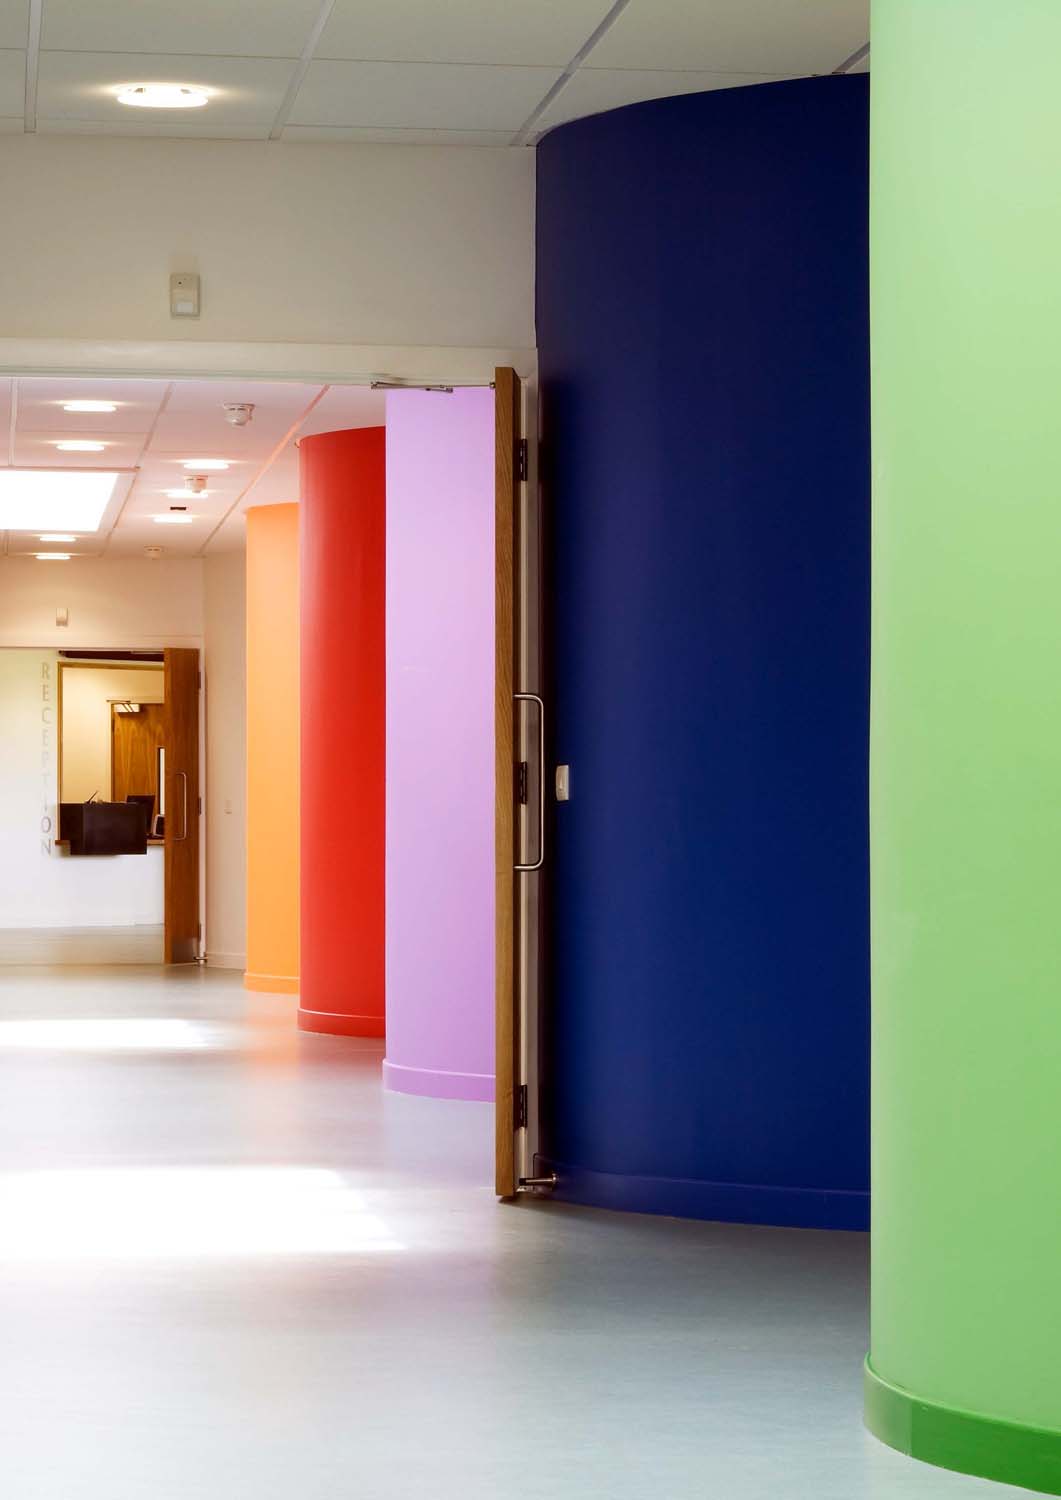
<point x="440" y="744"/>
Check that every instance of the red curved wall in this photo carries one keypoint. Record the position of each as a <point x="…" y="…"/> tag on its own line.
<point x="343" y="738"/>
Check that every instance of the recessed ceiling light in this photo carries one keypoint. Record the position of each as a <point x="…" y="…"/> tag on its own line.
<point x="90" y="406"/>
<point x="163" y="96"/>
<point x="57" y="499"/>
<point x="80" y="445"/>
<point x="173" y="520"/>
<point x="206" y="463"/>
<point x="53" y="556"/>
<point x="186" y="494"/>
<point x="57" y="536"/>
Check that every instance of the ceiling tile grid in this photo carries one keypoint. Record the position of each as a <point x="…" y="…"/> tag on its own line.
<point x="152" y="437"/>
<point x="414" y="72"/>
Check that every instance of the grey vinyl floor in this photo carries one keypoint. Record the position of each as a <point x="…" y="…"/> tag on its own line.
<point x="232" y="1266"/>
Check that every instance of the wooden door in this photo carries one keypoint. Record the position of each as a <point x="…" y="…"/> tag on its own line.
<point x="506" y="789"/>
<point x="181" y="744"/>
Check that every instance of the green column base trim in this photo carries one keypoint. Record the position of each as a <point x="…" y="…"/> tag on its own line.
<point x="963" y="1440"/>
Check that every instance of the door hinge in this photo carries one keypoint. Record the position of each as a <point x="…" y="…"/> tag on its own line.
<point x="521" y="1107"/>
<point x="524" y="775"/>
<point x="523" y="458"/>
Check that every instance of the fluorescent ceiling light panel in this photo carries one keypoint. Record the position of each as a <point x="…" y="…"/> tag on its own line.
<point x="205" y="463"/>
<point x="57" y="499"/>
<point x="90" y="406"/>
<point x="57" y="536"/>
<point x="53" y="556"/>
<point x="173" y="520"/>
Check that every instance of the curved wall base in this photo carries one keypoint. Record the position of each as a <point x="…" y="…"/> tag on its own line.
<point x="729" y="1202"/>
<point x="433" y="1084"/>
<point x="339" y="1025"/>
<point x="950" y="1438"/>
<point x="271" y="984"/>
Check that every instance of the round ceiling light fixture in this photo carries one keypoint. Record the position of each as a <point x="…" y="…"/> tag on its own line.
<point x="101" y="406"/>
<point x="163" y="96"/>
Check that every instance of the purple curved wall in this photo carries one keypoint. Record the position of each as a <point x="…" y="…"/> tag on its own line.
<point x="440" y="735"/>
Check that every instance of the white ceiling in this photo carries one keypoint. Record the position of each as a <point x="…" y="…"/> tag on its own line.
<point x="157" y="425"/>
<point x="487" y="72"/>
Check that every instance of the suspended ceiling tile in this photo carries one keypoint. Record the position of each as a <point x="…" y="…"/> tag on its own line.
<point x="82" y="86"/>
<point x="13" y="85"/>
<point x="593" y="90"/>
<point x="14" y="23"/>
<point x="544" y="33"/>
<point x="176" y="131"/>
<point x="344" y="406"/>
<point x="41" y="398"/>
<point x="11" y="124"/>
<point x="38" y="449"/>
<point x="420" y="96"/>
<point x="236" y="28"/>
<point x="394" y="136"/>
<point x="794" y="37"/>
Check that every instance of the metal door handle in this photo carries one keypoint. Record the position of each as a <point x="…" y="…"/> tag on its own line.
<point x="177" y="837"/>
<point x="533" y="698"/>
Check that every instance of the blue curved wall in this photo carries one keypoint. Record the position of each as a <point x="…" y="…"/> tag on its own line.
<point x="703" y="341"/>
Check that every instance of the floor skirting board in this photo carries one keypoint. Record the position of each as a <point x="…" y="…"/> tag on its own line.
<point x="339" y="1025"/>
<point x="271" y="984"/>
<point x="435" y="1084"/>
<point x="226" y="960"/>
<point x="951" y="1438"/>
<point x="729" y="1202"/>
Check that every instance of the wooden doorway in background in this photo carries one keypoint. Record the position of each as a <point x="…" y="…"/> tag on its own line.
<point x="181" y="742"/>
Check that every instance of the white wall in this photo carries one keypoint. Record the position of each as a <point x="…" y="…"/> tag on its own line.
<point x="87" y="744"/>
<point x="315" y="243"/>
<point x="42" y="885"/>
<point x="226" y="759"/>
<point x="114" y="603"/>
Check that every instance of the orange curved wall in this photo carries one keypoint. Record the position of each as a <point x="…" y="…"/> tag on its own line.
<point x="272" y="749"/>
<point x="343" y="706"/>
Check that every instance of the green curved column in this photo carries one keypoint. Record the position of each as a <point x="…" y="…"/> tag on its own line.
<point x="965" y="1364"/>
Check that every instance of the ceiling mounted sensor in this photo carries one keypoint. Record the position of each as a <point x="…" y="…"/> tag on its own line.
<point x="163" y="96"/>
<point x="153" y="552"/>
<point x="238" y="413"/>
<point x="196" y="484"/>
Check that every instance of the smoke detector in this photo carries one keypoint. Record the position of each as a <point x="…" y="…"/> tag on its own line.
<point x="153" y="552"/>
<point x="195" y="484"/>
<point x="238" y="413"/>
